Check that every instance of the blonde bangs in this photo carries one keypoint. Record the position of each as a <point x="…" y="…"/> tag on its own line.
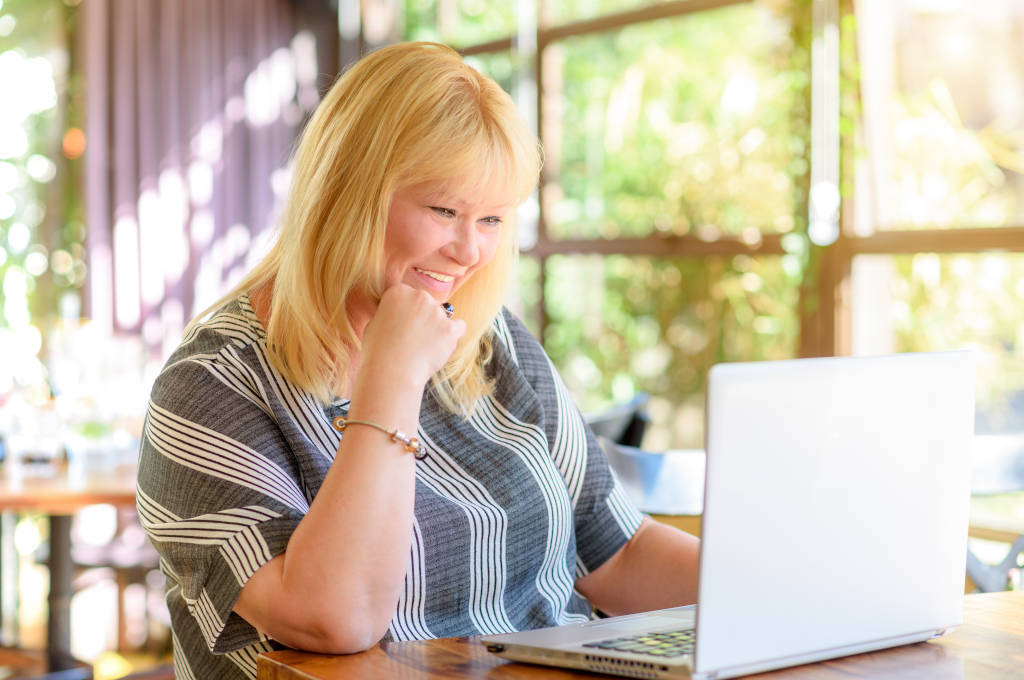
<point x="475" y="149"/>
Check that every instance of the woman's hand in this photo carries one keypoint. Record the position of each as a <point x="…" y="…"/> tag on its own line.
<point x="410" y="338"/>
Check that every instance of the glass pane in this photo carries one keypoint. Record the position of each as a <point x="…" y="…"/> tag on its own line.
<point x="504" y="67"/>
<point x="678" y="125"/>
<point x="460" y="23"/>
<point x="929" y="302"/>
<point x="942" y="91"/>
<point x="524" y="299"/>
<point x="619" y="325"/>
<point x="566" y="11"/>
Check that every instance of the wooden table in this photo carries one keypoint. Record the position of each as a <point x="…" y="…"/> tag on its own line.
<point x="59" y="491"/>
<point x="989" y="644"/>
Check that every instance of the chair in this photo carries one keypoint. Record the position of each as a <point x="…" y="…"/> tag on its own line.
<point x="665" y="483"/>
<point x="128" y="558"/>
<point x="998" y="468"/>
<point x="623" y="423"/>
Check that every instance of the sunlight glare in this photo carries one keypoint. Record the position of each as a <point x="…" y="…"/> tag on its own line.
<point x="740" y="94"/>
<point x="304" y="50"/>
<point x="36" y="262"/>
<point x="126" y="272"/>
<point x="18" y="237"/>
<point x="209" y="142"/>
<point x="32" y="79"/>
<point x="10" y="177"/>
<point x="16" y="284"/>
<point x="8" y="206"/>
<point x="40" y="168"/>
<point x="269" y="87"/>
<point x="152" y="223"/>
<point x="173" y="245"/>
<point x="27" y="537"/>
<point x="13" y="141"/>
<point x="200" y="183"/>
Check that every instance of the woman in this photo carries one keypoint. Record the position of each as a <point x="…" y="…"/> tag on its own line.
<point x="359" y="441"/>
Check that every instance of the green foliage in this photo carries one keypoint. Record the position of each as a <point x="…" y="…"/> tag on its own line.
<point x="503" y="67"/>
<point x="41" y="233"/>
<point x="565" y="11"/>
<point x="619" y="324"/>
<point x="459" y="23"/>
<point x="697" y="125"/>
<point x="940" y="302"/>
<point x="680" y="126"/>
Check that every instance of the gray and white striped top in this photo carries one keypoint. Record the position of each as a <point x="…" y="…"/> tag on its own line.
<point x="512" y="505"/>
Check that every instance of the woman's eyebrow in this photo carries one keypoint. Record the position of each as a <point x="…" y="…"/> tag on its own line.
<point x="444" y="199"/>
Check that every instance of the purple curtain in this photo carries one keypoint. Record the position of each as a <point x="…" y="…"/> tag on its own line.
<point x="192" y="108"/>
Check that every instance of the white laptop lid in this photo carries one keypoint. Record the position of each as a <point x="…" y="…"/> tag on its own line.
<point x="865" y="466"/>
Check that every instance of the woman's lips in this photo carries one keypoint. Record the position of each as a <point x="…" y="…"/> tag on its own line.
<point x="435" y="280"/>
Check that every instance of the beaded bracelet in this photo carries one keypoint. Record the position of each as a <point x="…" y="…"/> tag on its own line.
<point x="410" y="444"/>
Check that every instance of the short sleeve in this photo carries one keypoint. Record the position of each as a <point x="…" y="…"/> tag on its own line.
<point x="219" y="488"/>
<point x="604" y="516"/>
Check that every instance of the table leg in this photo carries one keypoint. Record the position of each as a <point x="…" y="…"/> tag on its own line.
<point x="58" y="627"/>
<point x="8" y="581"/>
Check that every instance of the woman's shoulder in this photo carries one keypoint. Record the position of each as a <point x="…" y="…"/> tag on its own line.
<point x="518" y="345"/>
<point x="233" y="323"/>
<point x="216" y="341"/>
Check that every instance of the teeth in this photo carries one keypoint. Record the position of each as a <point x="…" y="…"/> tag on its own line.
<point x="443" y="278"/>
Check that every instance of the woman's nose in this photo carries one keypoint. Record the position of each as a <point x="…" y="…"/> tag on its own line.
<point x="463" y="247"/>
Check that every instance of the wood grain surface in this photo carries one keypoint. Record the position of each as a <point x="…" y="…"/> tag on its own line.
<point x="989" y="645"/>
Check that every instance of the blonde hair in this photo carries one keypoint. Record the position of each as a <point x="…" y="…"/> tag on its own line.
<point x="405" y="114"/>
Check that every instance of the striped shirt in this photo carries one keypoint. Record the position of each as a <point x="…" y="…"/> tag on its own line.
<point x="511" y="506"/>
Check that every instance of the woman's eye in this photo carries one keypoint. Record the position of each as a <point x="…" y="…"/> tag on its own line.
<point x="445" y="212"/>
<point x="492" y="221"/>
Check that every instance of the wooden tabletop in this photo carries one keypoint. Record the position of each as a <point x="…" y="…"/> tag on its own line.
<point x="59" y="488"/>
<point x="989" y="645"/>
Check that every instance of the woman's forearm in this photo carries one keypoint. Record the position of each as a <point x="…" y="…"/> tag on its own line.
<point x="656" y="569"/>
<point x="336" y="586"/>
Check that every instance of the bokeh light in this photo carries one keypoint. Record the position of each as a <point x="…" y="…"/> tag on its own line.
<point x="73" y="145"/>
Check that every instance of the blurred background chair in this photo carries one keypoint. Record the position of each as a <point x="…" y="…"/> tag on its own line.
<point x="661" y="483"/>
<point x="128" y="559"/>
<point x="623" y="423"/>
<point x="997" y="480"/>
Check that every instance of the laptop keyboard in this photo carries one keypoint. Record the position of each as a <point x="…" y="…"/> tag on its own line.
<point x="665" y="643"/>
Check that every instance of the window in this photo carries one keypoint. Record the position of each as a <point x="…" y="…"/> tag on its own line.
<point x="936" y="244"/>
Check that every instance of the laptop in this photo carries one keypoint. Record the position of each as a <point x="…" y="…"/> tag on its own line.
<point x="835" y="522"/>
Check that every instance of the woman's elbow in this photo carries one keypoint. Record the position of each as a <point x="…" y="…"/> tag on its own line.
<point x="345" y="641"/>
<point x="332" y="633"/>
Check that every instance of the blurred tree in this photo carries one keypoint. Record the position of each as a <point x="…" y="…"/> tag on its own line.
<point x="41" y="232"/>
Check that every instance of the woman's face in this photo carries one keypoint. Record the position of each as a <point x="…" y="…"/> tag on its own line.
<point x="437" y="239"/>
